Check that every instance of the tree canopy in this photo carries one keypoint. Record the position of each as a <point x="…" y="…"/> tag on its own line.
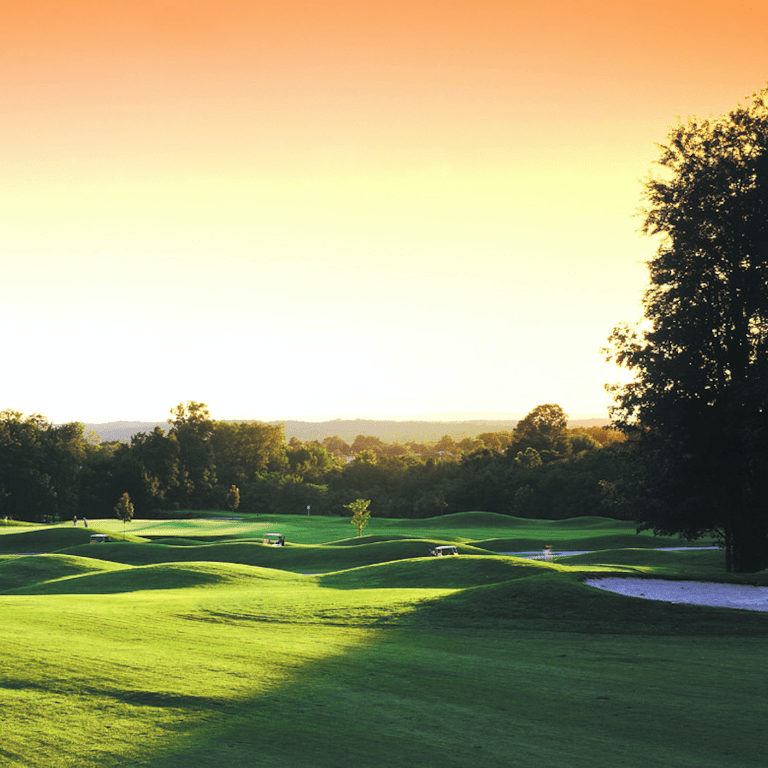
<point x="360" y="514"/>
<point x="544" y="429"/>
<point x="700" y="355"/>
<point x="39" y="465"/>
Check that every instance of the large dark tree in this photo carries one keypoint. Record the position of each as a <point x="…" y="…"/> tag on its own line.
<point x="699" y="397"/>
<point x="545" y="429"/>
<point x="243" y="450"/>
<point x="193" y="428"/>
<point x="39" y="466"/>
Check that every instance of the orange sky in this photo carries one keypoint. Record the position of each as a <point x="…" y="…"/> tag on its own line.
<point x="336" y="209"/>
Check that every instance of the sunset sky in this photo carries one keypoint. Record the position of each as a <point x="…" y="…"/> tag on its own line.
<point x="305" y="209"/>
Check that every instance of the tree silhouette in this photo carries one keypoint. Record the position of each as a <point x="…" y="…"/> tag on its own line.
<point x="698" y="400"/>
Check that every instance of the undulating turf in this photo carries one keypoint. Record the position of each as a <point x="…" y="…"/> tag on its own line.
<point x="500" y="533"/>
<point x="31" y="570"/>
<point x="675" y="562"/>
<point x="169" y="656"/>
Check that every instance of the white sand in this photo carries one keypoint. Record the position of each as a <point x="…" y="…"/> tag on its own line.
<point x="694" y="592"/>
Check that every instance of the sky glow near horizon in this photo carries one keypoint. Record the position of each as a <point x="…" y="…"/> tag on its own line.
<point x="329" y="210"/>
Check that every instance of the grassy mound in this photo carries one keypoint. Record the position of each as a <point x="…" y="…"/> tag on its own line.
<point x="435" y="573"/>
<point x="673" y="561"/>
<point x="155" y="553"/>
<point x="354" y="541"/>
<point x="296" y="558"/>
<point x="155" y="577"/>
<point x="51" y="539"/>
<point x="566" y="540"/>
<point x="27" y="571"/>
<point x="551" y="601"/>
<point x="587" y="522"/>
<point x="468" y="520"/>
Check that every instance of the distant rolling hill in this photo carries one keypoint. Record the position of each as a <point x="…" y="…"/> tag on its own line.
<point x="349" y="429"/>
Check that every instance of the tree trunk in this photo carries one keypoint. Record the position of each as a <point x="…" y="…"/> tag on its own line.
<point x="748" y="543"/>
<point x="746" y="524"/>
<point x="728" y="549"/>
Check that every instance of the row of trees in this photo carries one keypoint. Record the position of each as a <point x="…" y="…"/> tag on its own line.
<point x="39" y="466"/>
<point x="541" y="469"/>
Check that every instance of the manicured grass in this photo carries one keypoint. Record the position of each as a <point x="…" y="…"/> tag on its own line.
<point x="52" y="538"/>
<point x="680" y="563"/>
<point x="499" y="533"/>
<point x="293" y="557"/>
<point x="142" y="654"/>
<point x="24" y="571"/>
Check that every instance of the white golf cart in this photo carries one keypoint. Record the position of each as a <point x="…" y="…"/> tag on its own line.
<point x="274" y="539"/>
<point x="443" y="551"/>
<point x="99" y="538"/>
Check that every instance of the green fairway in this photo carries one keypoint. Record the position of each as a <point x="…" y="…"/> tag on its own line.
<point x="675" y="563"/>
<point x="170" y="655"/>
<point x="497" y="532"/>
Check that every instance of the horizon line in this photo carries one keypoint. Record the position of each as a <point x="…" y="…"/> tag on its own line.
<point x="320" y="419"/>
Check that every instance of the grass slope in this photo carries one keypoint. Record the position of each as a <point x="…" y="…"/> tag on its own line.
<point x="470" y="526"/>
<point x="445" y="573"/>
<point x="124" y="578"/>
<point x="295" y="673"/>
<point x="388" y="660"/>
<point x="52" y="538"/>
<point x="27" y="571"/>
<point x="296" y="558"/>
<point x="701" y="562"/>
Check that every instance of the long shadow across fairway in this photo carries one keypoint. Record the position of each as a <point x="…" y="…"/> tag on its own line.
<point x="520" y="662"/>
<point x="521" y="669"/>
<point x="30" y="570"/>
<point x="115" y="579"/>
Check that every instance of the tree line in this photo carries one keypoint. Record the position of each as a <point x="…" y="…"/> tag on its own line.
<point x="539" y="469"/>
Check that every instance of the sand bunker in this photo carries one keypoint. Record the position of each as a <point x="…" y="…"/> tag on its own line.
<point x="695" y="592"/>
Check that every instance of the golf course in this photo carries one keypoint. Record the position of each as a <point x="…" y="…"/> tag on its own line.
<point x="194" y="642"/>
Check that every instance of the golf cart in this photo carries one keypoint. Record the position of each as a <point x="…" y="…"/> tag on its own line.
<point x="99" y="538"/>
<point x="274" y="539"/>
<point x="443" y="551"/>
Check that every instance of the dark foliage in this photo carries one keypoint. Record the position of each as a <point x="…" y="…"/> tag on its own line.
<point x="196" y="463"/>
<point x="699" y="396"/>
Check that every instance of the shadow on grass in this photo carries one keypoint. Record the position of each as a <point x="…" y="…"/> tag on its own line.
<point x="293" y="558"/>
<point x="151" y="577"/>
<point x="166" y="699"/>
<point x="539" y="668"/>
<point x="528" y="668"/>
<point x="559" y="602"/>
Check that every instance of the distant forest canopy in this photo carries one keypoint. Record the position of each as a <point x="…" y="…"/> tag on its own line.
<point x="348" y="429"/>
<point x="540" y="468"/>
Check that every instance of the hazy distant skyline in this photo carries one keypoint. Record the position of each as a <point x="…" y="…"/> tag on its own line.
<point x="337" y="210"/>
<point x="324" y="418"/>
